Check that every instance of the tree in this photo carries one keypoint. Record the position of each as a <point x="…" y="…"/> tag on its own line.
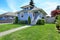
<point x="16" y="20"/>
<point x="29" y="20"/>
<point x="58" y="7"/>
<point x="58" y="23"/>
<point x="40" y="22"/>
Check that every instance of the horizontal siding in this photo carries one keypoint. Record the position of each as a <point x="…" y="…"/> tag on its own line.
<point x="25" y="16"/>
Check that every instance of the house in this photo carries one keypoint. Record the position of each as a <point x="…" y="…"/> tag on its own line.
<point x="32" y="11"/>
<point x="56" y="11"/>
<point x="8" y="17"/>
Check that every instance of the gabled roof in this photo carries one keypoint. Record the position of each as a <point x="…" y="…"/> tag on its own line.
<point x="38" y="9"/>
<point x="9" y="14"/>
<point x="34" y="10"/>
<point x="26" y="6"/>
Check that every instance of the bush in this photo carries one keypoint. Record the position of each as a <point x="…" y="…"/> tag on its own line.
<point x="40" y="22"/>
<point x="16" y="20"/>
<point x="23" y="22"/>
<point x="58" y="20"/>
<point x="29" y="20"/>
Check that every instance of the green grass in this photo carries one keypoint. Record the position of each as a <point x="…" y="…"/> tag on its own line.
<point x="5" y="27"/>
<point x="37" y="32"/>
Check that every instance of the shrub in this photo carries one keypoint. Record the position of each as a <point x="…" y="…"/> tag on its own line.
<point x="23" y="22"/>
<point x="16" y="20"/>
<point x="29" y="20"/>
<point x="58" y="20"/>
<point x="40" y="22"/>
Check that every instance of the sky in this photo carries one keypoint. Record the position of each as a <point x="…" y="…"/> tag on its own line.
<point x="14" y="5"/>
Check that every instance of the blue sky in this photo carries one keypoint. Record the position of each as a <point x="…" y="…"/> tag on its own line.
<point x="14" y="5"/>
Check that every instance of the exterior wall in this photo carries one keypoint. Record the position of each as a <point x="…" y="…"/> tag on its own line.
<point x="50" y="20"/>
<point x="9" y="19"/>
<point x="39" y="16"/>
<point x="28" y="8"/>
<point x="2" y="18"/>
<point x="6" y="18"/>
<point x="33" y="18"/>
<point x="25" y="16"/>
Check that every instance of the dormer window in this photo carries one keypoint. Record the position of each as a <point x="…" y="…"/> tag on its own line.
<point x="31" y="8"/>
<point x="25" y="8"/>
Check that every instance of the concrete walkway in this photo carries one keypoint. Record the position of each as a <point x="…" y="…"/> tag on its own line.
<point x="12" y="30"/>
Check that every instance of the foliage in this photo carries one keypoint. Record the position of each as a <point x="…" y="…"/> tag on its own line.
<point x="55" y="12"/>
<point x="16" y="20"/>
<point x="22" y="22"/>
<point x="58" y="7"/>
<point x="29" y="20"/>
<point x="40" y="22"/>
<point x="58" y="20"/>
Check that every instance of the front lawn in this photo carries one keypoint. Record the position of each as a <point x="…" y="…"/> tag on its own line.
<point x="37" y="32"/>
<point x="4" y="27"/>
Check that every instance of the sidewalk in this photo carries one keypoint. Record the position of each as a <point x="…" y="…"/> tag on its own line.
<point x="12" y="30"/>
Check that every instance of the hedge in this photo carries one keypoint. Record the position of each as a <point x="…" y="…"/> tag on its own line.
<point x="40" y="22"/>
<point x="23" y="22"/>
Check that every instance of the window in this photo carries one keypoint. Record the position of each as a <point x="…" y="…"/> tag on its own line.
<point x="27" y="8"/>
<point x="12" y="17"/>
<point x="22" y="15"/>
<point x="25" y="12"/>
<point x="0" y="17"/>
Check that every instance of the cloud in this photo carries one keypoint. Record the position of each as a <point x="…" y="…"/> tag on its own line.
<point x="49" y="6"/>
<point x="24" y="4"/>
<point x="2" y="11"/>
<point x="11" y="4"/>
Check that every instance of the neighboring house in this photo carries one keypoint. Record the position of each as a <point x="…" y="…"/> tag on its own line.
<point x="32" y="11"/>
<point x="7" y="17"/>
<point x="56" y="12"/>
<point x="50" y="19"/>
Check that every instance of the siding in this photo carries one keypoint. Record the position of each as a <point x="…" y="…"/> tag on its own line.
<point x="25" y="16"/>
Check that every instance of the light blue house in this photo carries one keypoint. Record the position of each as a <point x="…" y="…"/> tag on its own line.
<point x="8" y="17"/>
<point x="32" y="11"/>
